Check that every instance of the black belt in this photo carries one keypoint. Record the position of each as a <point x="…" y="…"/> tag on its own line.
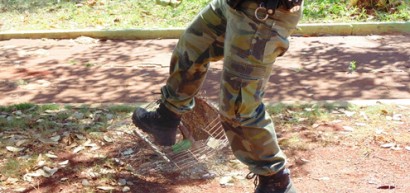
<point x="270" y="5"/>
<point x="267" y="7"/>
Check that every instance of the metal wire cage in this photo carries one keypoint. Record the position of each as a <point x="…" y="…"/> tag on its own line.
<point x="203" y="130"/>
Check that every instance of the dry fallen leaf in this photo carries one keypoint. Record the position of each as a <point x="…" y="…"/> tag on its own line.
<point x="109" y="116"/>
<point x="63" y="163"/>
<point x="214" y="143"/>
<point x="348" y="128"/>
<point x="29" y="176"/>
<point x="122" y="182"/>
<point x="88" y="143"/>
<point x="14" y="149"/>
<point x="336" y="121"/>
<point x="322" y="178"/>
<point x="21" y="142"/>
<point x="55" y="138"/>
<point x="396" y="148"/>
<point x="52" y="156"/>
<point x="47" y="141"/>
<point x="106" y="188"/>
<point x="49" y="171"/>
<point x="92" y="145"/>
<point x="364" y="115"/>
<point x="388" y="145"/>
<point x="45" y="172"/>
<point x="85" y="182"/>
<point x="128" y="151"/>
<point x="361" y="124"/>
<point x="20" y="189"/>
<point x="41" y="163"/>
<point x="226" y="181"/>
<point x="316" y="125"/>
<point x="397" y="117"/>
<point x="78" y="149"/>
<point x="107" y="139"/>
<point x="11" y="180"/>
<point x="380" y="131"/>
<point x="126" y="189"/>
<point x="349" y="113"/>
<point x="63" y="179"/>
<point x="79" y="136"/>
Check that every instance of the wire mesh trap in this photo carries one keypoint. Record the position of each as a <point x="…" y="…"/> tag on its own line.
<point x="200" y="136"/>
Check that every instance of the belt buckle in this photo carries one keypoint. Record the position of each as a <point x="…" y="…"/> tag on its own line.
<point x="262" y="8"/>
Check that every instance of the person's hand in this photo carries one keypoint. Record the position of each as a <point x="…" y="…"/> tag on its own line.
<point x="292" y="5"/>
<point x="172" y="3"/>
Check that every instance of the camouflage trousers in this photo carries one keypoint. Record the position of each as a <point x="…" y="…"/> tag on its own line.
<point x="249" y="48"/>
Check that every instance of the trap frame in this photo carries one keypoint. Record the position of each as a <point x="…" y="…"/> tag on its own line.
<point x="201" y="136"/>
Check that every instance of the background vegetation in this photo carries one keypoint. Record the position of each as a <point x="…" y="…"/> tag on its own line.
<point x="120" y="14"/>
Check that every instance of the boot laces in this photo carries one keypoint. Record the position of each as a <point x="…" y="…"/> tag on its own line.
<point x="268" y="182"/>
<point x="252" y="175"/>
<point x="152" y="115"/>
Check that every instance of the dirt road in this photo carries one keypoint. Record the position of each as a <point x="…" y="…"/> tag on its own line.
<point x="90" y="71"/>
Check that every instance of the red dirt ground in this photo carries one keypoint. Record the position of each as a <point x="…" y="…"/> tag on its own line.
<point x="90" y="71"/>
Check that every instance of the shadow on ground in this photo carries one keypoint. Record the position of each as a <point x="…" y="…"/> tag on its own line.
<point x="91" y="71"/>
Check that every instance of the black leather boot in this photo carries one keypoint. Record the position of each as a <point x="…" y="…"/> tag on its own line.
<point x="162" y="124"/>
<point x="277" y="183"/>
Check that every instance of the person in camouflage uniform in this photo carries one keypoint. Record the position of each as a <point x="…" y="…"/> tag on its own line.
<point x="249" y="36"/>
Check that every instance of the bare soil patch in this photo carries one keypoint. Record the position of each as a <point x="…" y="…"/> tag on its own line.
<point x="367" y="150"/>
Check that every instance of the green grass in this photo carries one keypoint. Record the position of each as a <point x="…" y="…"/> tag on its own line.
<point x="126" y="14"/>
<point x="45" y="117"/>
<point x="11" y="168"/>
<point x="48" y="14"/>
<point x="344" y="11"/>
<point x="14" y="167"/>
<point x="121" y="108"/>
<point x="307" y="114"/>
